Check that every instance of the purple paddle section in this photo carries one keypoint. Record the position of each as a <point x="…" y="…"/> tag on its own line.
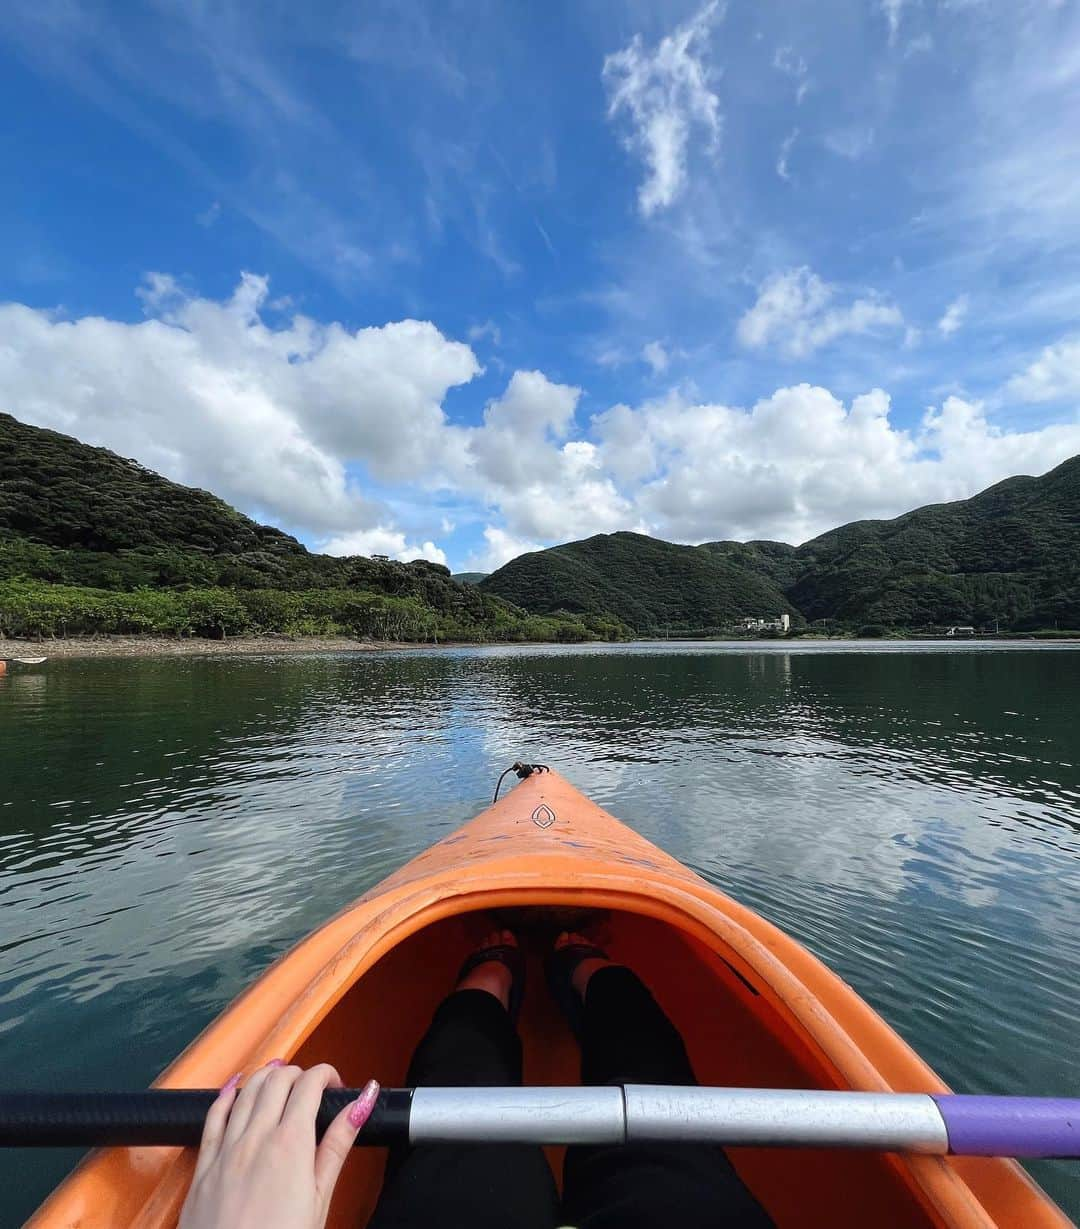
<point x="1011" y="1126"/>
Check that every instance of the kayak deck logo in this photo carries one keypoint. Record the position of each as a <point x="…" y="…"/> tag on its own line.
<point x="543" y="816"/>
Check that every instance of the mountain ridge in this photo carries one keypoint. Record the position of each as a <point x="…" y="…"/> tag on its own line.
<point x="93" y="542"/>
<point x="1008" y="555"/>
<point x="104" y="539"/>
<point x="649" y="584"/>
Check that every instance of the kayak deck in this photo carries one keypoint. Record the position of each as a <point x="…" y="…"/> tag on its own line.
<point x="754" y="1008"/>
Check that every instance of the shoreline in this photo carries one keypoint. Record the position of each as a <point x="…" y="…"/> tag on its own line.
<point x="165" y="646"/>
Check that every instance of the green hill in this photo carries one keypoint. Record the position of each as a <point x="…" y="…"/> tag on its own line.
<point x="91" y="542"/>
<point x="651" y="585"/>
<point x="1008" y="557"/>
<point x="775" y="560"/>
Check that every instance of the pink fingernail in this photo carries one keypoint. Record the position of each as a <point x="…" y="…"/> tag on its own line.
<point x="360" y="1110"/>
<point x="276" y="1062"/>
<point x="230" y="1084"/>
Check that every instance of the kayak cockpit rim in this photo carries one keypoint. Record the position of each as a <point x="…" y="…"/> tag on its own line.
<point x="762" y="971"/>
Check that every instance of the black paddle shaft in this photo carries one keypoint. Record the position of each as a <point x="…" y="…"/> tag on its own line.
<point x="163" y="1117"/>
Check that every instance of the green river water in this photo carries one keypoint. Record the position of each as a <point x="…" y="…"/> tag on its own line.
<point x="168" y="827"/>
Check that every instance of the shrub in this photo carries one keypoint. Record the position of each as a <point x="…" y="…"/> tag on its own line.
<point x="36" y="610"/>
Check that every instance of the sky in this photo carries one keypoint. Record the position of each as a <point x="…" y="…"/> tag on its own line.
<point x="463" y="279"/>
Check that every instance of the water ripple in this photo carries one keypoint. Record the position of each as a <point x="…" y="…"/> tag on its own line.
<point x="168" y="828"/>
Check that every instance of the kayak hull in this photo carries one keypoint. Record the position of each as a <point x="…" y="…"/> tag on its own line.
<point x="754" y="1007"/>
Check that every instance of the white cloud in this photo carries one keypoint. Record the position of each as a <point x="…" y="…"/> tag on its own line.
<point x="546" y="486"/>
<point x="533" y="405"/>
<point x="209" y="215"/>
<point x="567" y="494"/>
<point x="279" y="419"/>
<point x="852" y="142"/>
<point x="513" y="447"/>
<point x="381" y="541"/>
<point x="272" y="418"/>
<point x="786" y="147"/>
<point x="546" y="237"/>
<point x="893" y="10"/>
<point x="374" y="394"/>
<point x="656" y="356"/>
<point x="800" y="461"/>
<point x="500" y="548"/>
<point x="665" y="92"/>
<point x="378" y="393"/>
<point x="611" y="356"/>
<point x="1053" y="375"/>
<point x="953" y="316"/>
<point x="160" y="393"/>
<point x="786" y="61"/>
<point x="488" y="329"/>
<point x="796" y="311"/>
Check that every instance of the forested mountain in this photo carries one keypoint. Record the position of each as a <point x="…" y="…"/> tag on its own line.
<point x="1009" y="556"/>
<point x="651" y="585"/>
<point x="775" y="560"/>
<point x="124" y="549"/>
<point x="92" y="542"/>
<point x="83" y="515"/>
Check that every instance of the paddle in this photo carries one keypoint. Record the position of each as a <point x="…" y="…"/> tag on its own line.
<point x="884" y="1122"/>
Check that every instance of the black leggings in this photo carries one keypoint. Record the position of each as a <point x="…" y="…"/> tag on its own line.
<point x="627" y="1039"/>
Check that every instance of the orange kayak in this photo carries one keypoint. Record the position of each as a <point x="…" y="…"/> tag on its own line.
<point x="754" y="1007"/>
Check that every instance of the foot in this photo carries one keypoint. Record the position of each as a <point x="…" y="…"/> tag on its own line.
<point x="492" y="976"/>
<point x="585" y="968"/>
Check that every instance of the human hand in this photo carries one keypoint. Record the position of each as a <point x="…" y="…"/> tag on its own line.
<point x="259" y="1166"/>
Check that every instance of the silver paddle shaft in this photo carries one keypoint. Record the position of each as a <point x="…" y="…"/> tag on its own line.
<point x="888" y="1122"/>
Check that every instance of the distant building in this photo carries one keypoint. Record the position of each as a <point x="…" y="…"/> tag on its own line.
<point x="782" y="623"/>
<point x="382" y="558"/>
<point x="960" y="631"/>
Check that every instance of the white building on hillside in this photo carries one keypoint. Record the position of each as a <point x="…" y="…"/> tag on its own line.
<point x="780" y="624"/>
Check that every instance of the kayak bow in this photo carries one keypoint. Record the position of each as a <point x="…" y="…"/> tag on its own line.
<point x="755" y="1008"/>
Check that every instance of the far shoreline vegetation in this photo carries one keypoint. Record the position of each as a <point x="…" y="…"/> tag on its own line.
<point x="95" y="547"/>
<point x="39" y="611"/>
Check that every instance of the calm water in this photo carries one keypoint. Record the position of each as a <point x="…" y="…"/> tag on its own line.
<point x="167" y="828"/>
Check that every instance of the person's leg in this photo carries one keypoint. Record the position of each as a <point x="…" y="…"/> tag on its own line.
<point x="627" y="1039"/>
<point x="471" y="1042"/>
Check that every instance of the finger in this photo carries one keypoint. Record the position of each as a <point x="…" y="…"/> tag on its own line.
<point x="306" y="1096"/>
<point x="245" y="1101"/>
<point x="336" y="1144"/>
<point x="273" y="1096"/>
<point x="213" y="1131"/>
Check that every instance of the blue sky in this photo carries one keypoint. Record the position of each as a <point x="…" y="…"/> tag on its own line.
<point x="461" y="279"/>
